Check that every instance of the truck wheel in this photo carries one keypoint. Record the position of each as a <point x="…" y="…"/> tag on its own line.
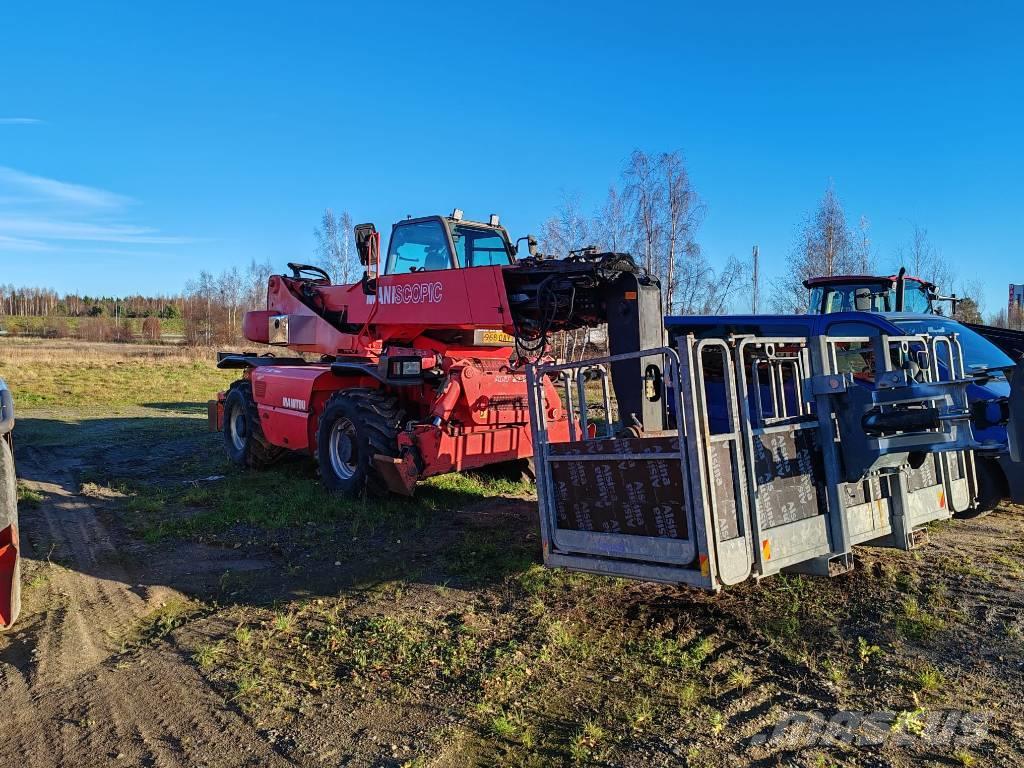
<point x="356" y="425"/>
<point x="992" y="489"/>
<point x="10" y="578"/>
<point x="243" y="436"/>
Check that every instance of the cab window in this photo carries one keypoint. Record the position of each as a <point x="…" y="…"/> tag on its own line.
<point x="420" y="247"/>
<point x="479" y="247"/>
<point x="915" y="298"/>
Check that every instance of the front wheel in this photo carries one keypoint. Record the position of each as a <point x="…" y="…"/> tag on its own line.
<point x="356" y="425"/>
<point x="244" y="441"/>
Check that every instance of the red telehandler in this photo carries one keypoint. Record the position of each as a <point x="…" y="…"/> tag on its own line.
<point x="420" y="368"/>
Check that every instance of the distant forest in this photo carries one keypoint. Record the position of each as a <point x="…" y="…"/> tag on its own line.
<point x="43" y="302"/>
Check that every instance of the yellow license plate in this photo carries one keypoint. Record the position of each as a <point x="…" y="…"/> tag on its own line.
<point x="493" y="338"/>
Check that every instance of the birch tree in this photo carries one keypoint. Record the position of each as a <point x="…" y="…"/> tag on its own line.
<point x="824" y="247"/>
<point x="334" y="246"/>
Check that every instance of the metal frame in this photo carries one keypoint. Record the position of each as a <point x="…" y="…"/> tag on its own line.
<point x="678" y="560"/>
<point x="888" y="511"/>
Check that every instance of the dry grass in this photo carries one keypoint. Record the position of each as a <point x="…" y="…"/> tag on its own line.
<point x="58" y="372"/>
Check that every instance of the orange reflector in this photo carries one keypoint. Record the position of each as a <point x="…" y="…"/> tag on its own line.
<point x="705" y="569"/>
<point x="630" y="295"/>
<point x="942" y="499"/>
<point x="766" y="549"/>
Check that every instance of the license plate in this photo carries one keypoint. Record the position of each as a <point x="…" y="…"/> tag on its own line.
<point x="493" y="338"/>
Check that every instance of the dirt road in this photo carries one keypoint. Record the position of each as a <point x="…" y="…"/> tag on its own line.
<point x="76" y="694"/>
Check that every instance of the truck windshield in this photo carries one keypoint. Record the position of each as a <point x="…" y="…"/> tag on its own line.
<point x="477" y="247"/>
<point x="979" y="352"/>
<point x="828" y="299"/>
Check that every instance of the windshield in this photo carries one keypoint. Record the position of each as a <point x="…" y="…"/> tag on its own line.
<point x="476" y="247"/>
<point x="418" y="247"/>
<point x="979" y="352"/>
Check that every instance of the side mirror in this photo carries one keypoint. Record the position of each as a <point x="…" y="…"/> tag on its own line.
<point x="862" y="300"/>
<point x="369" y="284"/>
<point x="531" y="243"/>
<point x="367" y="243"/>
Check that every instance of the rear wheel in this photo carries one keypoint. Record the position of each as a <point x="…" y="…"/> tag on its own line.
<point x="244" y="441"/>
<point x="356" y="425"/>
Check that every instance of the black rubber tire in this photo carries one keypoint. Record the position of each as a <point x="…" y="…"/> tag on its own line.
<point x="252" y="450"/>
<point x="992" y="489"/>
<point x="374" y="419"/>
<point x="9" y="516"/>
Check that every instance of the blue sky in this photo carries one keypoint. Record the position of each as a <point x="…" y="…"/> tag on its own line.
<point x="140" y="143"/>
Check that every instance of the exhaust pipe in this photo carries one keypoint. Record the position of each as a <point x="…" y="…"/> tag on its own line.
<point x="901" y="288"/>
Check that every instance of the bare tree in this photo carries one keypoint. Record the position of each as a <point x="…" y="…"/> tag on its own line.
<point x="824" y="247"/>
<point x="923" y="260"/>
<point x="863" y="258"/>
<point x="612" y="229"/>
<point x="256" y="277"/>
<point x="645" y="193"/>
<point x="684" y="265"/>
<point x="706" y="291"/>
<point x="568" y="230"/>
<point x="334" y="246"/>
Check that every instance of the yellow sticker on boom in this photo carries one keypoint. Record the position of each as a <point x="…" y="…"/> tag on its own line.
<point x="492" y="338"/>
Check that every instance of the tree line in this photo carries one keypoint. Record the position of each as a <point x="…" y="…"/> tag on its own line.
<point x="43" y="302"/>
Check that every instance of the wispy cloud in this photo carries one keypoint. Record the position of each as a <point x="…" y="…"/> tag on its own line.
<point x="20" y="121"/>
<point x="60" y="191"/>
<point x="44" y="214"/>
<point x="21" y="244"/>
<point x="50" y="229"/>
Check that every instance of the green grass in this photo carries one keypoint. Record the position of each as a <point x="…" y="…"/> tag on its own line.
<point x="28" y="498"/>
<point x="102" y="383"/>
<point x="160" y="622"/>
<point x="487" y="554"/>
<point x="915" y="623"/>
<point x="291" y="495"/>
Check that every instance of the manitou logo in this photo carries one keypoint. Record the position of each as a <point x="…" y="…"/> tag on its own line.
<point x="413" y="293"/>
<point x="293" y="403"/>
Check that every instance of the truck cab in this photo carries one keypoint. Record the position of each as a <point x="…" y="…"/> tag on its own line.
<point x="433" y="243"/>
<point x="868" y="293"/>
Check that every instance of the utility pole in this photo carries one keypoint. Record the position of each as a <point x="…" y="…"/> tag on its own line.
<point x="755" y="297"/>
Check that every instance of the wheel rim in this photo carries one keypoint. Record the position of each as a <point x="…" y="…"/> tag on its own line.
<point x="343" y="450"/>
<point x="238" y="427"/>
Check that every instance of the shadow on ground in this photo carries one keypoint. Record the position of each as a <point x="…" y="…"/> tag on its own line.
<point x="182" y="517"/>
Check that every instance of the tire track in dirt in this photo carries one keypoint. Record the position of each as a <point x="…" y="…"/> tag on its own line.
<point x="75" y="698"/>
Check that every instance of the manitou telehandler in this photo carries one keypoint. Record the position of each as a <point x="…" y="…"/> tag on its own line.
<point x="420" y="365"/>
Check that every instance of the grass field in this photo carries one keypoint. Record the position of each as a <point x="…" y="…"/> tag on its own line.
<point x="34" y="325"/>
<point x="66" y="373"/>
<point x="426" y="632"/>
